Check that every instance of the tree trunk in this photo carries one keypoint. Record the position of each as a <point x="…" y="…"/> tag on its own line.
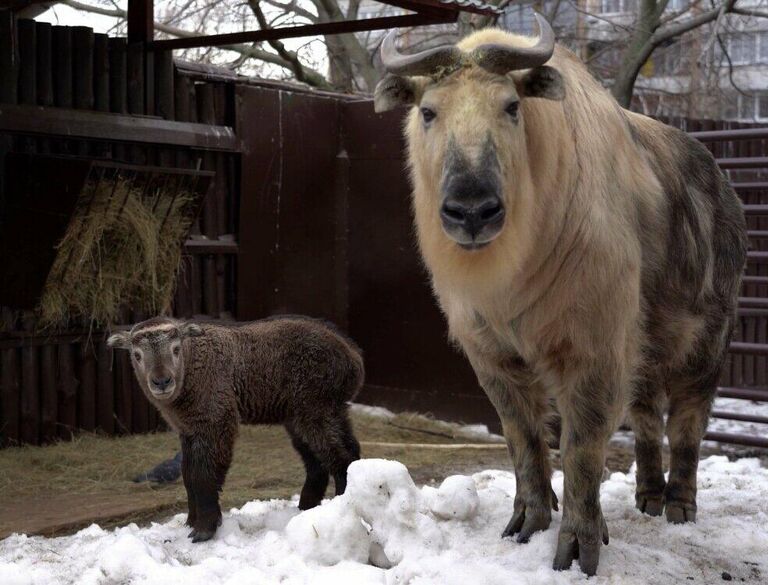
<point x="638" y="50"/>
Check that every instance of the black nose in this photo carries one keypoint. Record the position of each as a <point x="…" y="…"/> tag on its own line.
<point x="162" y="383"/>
<point x="472" y="216"/>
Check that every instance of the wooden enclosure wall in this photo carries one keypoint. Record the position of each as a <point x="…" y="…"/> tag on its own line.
<point x="68" y="91"/>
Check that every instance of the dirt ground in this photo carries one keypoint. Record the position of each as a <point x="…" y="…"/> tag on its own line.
<point x="58" y="489"/>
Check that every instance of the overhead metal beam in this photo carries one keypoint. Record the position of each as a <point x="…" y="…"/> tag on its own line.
<point x="309" y="30"/>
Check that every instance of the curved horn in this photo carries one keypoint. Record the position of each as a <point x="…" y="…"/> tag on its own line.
<point x="423" y="63"/>
<point x="501" y="59"/>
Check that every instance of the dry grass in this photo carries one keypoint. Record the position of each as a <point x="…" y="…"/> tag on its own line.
<point x="121" y="247"/>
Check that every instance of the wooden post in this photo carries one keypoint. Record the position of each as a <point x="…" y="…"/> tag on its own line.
<point x="105" y="390"/>
<point x="9" y="58"/>
<point x="26" y="30"/>
<point x="101" y="73"/>
<point x="141" y="27"/>
<point x="86" y="396"/>
<point x="9" y="396"/>
<point x="62" y="66"/>
<point x="164" y="96"/>
<point x="44" y="64"/>
<point x="82" y="61"/>
<point x="67" y="391"/>
<point x="48" y="400"/>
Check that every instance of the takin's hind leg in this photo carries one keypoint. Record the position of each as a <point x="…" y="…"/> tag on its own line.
<point x="689" y="408"/>
<point x="317" y="478"/>
<point x="647" y="418"/>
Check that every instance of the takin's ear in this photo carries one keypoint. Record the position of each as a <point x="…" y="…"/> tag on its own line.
<point x="191" y="330"/>
<point x="393" y="91"/>
<point x="121" y="340"/>
<point x="542" y="82"/>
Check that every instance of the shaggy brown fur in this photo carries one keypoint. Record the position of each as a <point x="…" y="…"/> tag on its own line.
<point x="611" y="286"/>
<point x="206" y="379"/>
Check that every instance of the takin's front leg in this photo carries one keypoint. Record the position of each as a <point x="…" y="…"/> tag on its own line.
<point x="523" y="410"/>
<point x="204" y="466"/>
<point x="587" y="413"/>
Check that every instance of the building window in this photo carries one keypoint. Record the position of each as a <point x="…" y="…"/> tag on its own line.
<point x="762" y="42"/>
<point x="762" y="107"/>
<point x="741" y="48"/>
<point x="677" y="5"/>
<point x="611" y="6"/>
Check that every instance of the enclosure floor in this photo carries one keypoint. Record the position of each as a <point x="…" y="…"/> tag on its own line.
<point x="58" y="489"/>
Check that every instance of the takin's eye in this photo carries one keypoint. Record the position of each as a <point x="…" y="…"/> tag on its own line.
<point x="137" y="356"/>
<point x="512" y="109"/>
<point x="176" y="350"/>
<point x="428" y="114"/>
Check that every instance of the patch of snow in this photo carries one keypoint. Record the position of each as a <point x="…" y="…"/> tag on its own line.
<point x="385" y="530"/>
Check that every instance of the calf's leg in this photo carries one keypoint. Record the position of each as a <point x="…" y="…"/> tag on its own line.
<point x="205" y="463"/>
<point x="316" y="481"/>
<point x="646" y="417"/>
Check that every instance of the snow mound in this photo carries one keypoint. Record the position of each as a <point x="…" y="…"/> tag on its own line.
<point x="385" y="530"/>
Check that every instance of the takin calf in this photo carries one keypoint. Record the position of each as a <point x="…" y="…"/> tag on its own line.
<point x="579" y="252"/>
<point x="206" y="379"/>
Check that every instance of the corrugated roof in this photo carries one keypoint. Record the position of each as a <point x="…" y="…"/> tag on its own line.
<point x="476" y="4"/>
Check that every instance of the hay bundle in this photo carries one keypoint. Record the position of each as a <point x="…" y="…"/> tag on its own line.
<point x="122" y="247"/>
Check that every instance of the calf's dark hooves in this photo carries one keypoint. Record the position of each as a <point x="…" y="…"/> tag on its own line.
<point x="526" y="521"/>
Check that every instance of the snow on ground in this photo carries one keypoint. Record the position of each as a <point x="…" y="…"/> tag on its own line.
<point x="443" y="536"/>
<point x="477" y="432"/>
<point x="741" y="407"/>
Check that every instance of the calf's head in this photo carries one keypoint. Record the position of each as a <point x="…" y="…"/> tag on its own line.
<point x="466" y="132"/>
<point x="156" y="353"/>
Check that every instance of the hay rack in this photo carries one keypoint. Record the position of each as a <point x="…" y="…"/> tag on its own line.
<point x="42" y="194"/>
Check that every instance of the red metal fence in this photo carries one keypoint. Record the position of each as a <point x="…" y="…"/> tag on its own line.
<point x="310" y="213"/>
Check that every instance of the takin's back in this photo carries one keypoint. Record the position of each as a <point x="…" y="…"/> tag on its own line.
<point x="291" y="363"/>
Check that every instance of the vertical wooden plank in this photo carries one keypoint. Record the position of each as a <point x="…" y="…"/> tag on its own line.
<point x="30" y="388"/>
<point x="67" y="391"/>
<point x="9" y="397"/>
<point x="62" y="66"/>
<point x="135" y="78"/>
<point x="26" y="30"/>
<point x="101" y="101"/>
<point x="48" y="398"/>
<point x="9" y="58"/>
<point x="123" y="391"/>
<point x="140" y="406"/>
<point x="105" y="388"/>
<point x="118" y="76"/>
<point x="206" y="113"/>
<point x="164" y="79"/>
<point x="82" y="64"/>
<point x="86" y="396"/>
<point x="44" y="56"/>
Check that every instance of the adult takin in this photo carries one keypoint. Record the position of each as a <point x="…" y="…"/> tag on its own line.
<point x="579" y="252"/>
<point x="205" y="379"/>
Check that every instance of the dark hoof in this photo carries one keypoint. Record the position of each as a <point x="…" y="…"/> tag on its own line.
<point x="650" y="504"/>
<point x="308" y="504"/>
<point x="527" y="520"/>
<point x="680" y="512"/>
<point x="201" y="535"/>
<point x="585" y="548"/>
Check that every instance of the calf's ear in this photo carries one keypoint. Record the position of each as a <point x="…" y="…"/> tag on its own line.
<point x="121" y="340"/>
<point x="543" y="82"/>
<point x="393" y="91"/>
<point x="191" y="330"/>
